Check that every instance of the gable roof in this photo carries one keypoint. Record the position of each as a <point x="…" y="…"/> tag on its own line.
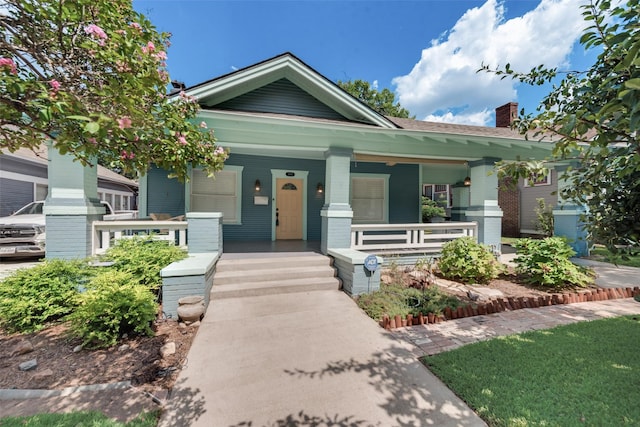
<point x="286" y="69"/>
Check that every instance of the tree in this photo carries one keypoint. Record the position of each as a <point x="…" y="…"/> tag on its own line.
<point x="381" y="101"/>
<point x="596" y="114"/>
<point x="91" y="76"/>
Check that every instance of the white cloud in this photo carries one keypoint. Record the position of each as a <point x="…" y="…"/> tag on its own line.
<point x="445" y="85"/>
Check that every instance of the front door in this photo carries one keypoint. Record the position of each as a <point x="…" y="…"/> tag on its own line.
<point x="289" y="194"/>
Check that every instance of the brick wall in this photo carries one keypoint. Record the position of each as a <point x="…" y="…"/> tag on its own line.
<point x="509" y="202"/>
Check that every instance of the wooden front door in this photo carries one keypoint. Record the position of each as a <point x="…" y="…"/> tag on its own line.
<point x="289" y="208"/>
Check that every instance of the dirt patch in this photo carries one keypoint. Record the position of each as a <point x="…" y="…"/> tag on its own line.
<point x="135" y="359"/>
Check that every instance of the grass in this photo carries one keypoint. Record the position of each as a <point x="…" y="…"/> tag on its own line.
<point x="78" y="419"/>
<point x="581" y="374"/>
<point x="602" y="254"/>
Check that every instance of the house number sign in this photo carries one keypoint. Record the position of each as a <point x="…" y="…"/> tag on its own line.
<point x="371" y="263"/>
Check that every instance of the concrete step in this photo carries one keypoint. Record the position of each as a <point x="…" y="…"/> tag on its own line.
<point x="268" y="262"/>
<point x="270" y="274"/>
<point x="282" y="286"/>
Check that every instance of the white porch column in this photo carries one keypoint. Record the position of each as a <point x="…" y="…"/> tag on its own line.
<point x="567" y="217"/>
<point x="483" y="206"/>
<point x="336" y="212"/>
<point x="71" y="206"/>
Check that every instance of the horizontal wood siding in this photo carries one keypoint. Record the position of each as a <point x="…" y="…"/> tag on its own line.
<point x="14" y="195"/>
<point x="9" y="164"/>
<point x="529" y="204"/>
<point x="404" y="189"/>
<point x="164" y="195"/>
<point x="257" y="219"/>
<point x="283" y="97"/>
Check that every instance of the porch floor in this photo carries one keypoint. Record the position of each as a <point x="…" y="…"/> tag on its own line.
<point x="267" y="248"/>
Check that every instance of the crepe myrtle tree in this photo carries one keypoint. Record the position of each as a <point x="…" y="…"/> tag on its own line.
<point x="90" y="75"/>
<point x="595" y="115"/>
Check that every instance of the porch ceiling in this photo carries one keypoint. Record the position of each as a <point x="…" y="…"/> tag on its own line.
<point x="292" y="136"/>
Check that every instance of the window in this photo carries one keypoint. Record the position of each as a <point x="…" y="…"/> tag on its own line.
<point x="538" y="180"/>
<point x="219" y="194"/>
<point x="440" y="193"/>
<point x="370" y="198"/>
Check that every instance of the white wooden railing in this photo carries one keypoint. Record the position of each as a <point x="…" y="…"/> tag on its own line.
<point x="408" y="238"/>
<point x="105" y="232"/>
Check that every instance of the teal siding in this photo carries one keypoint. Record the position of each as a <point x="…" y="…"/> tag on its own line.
<point x="281" y="97"/>
<point x="404" y="189"/>
<point x="256" y="220"/>
<point x="164" y="195"/>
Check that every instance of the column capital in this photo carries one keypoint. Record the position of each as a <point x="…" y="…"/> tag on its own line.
<point x="485" y="161"/>
<point x="338" y="151"/>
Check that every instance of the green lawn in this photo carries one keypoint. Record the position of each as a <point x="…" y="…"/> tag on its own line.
<point x="583" y="374"/>
<point x="78" y="419"/>
<point x="602" y="254"/>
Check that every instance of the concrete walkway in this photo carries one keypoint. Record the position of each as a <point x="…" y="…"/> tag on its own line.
<point x="306" y="359"/>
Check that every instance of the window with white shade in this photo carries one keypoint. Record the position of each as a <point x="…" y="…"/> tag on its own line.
<point x="370" y="198"/>
<point x="221" y="193"/>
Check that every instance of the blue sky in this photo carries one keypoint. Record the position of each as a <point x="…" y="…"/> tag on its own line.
<point x="427" y="52"/>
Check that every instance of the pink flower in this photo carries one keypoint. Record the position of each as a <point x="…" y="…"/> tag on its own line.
<point x="203" y="125"/>
<point x="135" y="26"/>
<point x="219" y="151"/>
<point x="124" y="155"/>
<point x="55" y="85"/>
<point x="150" y="47"/>
<point x="124" y="122"/>
<point x="181" y="139"/>
<point x="94" y="30"/>
<point x="93" y="141"/>
<point x="162" y="56"/>
<point x="8" y="63"/>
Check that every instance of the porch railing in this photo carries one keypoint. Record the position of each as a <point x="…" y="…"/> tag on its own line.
<point x="409" y="238"/>
<point x="106" y="232"/>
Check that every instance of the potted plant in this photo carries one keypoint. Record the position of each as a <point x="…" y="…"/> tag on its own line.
<point x="432" y="211"/>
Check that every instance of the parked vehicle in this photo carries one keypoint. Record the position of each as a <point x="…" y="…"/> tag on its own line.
<point x="22" y="234"/>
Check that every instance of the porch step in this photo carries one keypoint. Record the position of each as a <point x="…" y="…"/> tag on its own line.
<point x="273" y="275"/>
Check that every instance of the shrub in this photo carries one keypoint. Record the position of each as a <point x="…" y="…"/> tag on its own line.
<point x="468" y="261"/>
<point x="113" y="304"/>
<point x="143" y="258"/>
<point x="544" y="218"/>
<point x="32" y="297"/>
<point x="546" y="262"/>
<point x="431" y="209"/>
<point x="397" y="299"/>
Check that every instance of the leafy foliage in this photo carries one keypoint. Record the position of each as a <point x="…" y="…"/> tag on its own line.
<point x="546" y="262"/>
<point x="466" y="260"/>
<point x="32" y="297"/>
<point x="596" y="116"/>
<point x="143" y="258"/>
<point x="431" y="209"/>
<point x="398" y="299"/>
<point x="114" y="303"/>
<point x="544" y="218"/>
<point x="91" y="75"/>
<point x="382" y="101"/>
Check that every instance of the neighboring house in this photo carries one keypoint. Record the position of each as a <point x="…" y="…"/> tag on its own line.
<point x="308" y="160"/>
<point x="519" y="203"/>
<point x="24" y="179"/>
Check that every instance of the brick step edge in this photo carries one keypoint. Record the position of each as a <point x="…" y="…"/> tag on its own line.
<point x="497" y="305"/>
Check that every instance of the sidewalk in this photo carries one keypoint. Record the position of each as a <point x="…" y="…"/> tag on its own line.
<point x="305" y="359"/>
<point x="435" y="338"/>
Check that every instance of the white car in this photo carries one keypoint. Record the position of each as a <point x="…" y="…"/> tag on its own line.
<point x="23" y="233"/>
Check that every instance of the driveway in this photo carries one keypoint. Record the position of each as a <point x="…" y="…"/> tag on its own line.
<point x="305" y="359"/>
<point x="9" y="265"/>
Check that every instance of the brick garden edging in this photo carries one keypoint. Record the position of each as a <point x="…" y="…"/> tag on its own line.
<point x="497" y="305"/>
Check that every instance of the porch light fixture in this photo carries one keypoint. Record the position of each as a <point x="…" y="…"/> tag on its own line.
<point x="320" y="188"/>
<point x="467" y="181"/>
<point x="258" y="185"/>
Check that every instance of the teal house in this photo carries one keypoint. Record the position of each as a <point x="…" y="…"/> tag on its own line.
<point x="308" y="161"/>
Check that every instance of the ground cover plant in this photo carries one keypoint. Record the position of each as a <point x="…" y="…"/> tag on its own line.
<point x="93" y="419"/>
<point x="580" y="374"/>
<point x="545" y="262"/>
<point x="466" y="260"/>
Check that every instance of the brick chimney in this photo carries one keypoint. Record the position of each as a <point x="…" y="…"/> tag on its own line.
<point x="505" y="114"/>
